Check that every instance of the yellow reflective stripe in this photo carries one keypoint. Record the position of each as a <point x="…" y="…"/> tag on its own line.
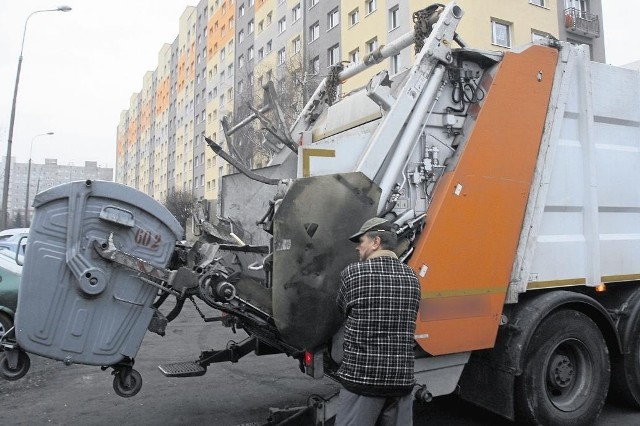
<point x="307" y="153"/>
<point x="463" y="292"/>
<point x="614" y="278"/>
<point x="556" y="283"/>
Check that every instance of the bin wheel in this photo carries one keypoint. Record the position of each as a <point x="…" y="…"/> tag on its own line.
<point x="11" y="374"/>
<point x="127" y="383"/>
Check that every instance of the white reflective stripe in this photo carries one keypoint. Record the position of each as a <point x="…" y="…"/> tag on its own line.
<point x="421" y="336"/>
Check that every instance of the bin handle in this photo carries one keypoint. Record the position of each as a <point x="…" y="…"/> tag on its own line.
<point x="91" y="280"/>
<point x="118" y="216"/>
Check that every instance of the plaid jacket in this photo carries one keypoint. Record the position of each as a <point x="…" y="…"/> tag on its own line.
<point x="379" y="298"/>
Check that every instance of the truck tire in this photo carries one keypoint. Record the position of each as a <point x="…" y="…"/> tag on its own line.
<point x="625" y="371"/>
<point x="565" y="375"/>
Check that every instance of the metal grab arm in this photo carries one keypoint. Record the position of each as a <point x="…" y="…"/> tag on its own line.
<point x="248" y="173"/>
<point x="416" y="94"/>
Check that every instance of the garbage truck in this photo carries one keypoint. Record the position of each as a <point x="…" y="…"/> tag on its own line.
<point x="512" y="178"/>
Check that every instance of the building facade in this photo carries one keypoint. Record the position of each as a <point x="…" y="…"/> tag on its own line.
<point x="227" y="50"/>
<point x="40" y="178"/>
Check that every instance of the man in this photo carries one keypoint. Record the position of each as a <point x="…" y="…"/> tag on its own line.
<point x="379" y="298"/>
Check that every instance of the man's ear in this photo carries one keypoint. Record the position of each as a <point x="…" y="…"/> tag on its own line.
<point x="377" y="241"/>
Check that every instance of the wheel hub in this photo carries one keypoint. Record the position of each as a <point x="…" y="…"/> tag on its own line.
<point x="561" y="371"/>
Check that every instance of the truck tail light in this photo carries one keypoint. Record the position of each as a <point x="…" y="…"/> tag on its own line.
<point x="308" y="359"/>
<point x="313" y="364"/>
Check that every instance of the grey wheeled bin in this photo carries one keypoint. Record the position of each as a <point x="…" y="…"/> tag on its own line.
<point x="73" y="305"/>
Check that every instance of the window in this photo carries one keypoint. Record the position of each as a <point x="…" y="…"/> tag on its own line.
<point x="371" y="6"/>
<point x="581" y="5"/>
<point x="281" y="56"/>
<point x="251" y="2"/>
<point x="260" y="26"/>
<point x="268" y="47"/>
<point x="240" y="36"/>
<point x="269" y="18"/>
<point x="314" y="32"/>
<point x="537" y="2"/>
<point x="296" y="45"/>
<point x="250" y="53"/>
<point x="500" y="34"/>
<point x="395" y="64"/>
<point x="313" y="3"/>
<point x="260" y="53"/>
<point x="537" y="37"/>
<point x="295" y="12"/>
<point x="333" y="18"/>
<point x="240" y="86"/>
<point x="250" y="79"/>
<point x="372" y="44"/>
<point x="222" y="54"/>
<point x="269" y="75"/>
<point x="354" y="17"/>
<point x="333" y="55"/>
<point x="282" y="25"/>
<point x="314" y="65"/>
<point x="354" y="56"/>
<point x="250" y="27"/>
<point x="393" y="18"/>
<point x="240" y="61"/>
<point x="241" y="9"/>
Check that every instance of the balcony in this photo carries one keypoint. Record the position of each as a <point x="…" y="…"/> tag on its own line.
<point x="580" y="22"/>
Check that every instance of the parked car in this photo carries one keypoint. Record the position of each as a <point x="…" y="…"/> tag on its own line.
<point x="11" y="238"/>
<point x="10" y="275"/>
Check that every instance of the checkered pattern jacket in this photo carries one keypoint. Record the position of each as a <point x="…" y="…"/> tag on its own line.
<point x="379" y="298"/>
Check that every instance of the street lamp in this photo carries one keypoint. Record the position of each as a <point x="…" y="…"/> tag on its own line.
<point x="7" y="167"/>
<point x="26" y="201"/>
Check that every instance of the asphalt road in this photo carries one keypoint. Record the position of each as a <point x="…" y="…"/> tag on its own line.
<point x="229" y="394"/>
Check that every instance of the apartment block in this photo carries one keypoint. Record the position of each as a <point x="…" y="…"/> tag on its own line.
<point x="226" y="51"/>
<point x="40" y="177"/>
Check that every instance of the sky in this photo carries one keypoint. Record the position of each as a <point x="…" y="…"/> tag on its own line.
<point x="81" y="67"/>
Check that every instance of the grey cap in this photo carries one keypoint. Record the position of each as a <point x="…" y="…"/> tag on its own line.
<point x="373" y="224"/>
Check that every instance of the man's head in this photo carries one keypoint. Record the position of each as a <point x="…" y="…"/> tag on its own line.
<point x="375" y="234"/>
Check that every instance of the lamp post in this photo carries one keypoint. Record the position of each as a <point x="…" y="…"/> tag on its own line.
<point x="26" y="201"/>
<point x="7" y="167"/>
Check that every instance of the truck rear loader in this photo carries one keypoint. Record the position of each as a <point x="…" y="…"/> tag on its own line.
<point x="513" y="181"/>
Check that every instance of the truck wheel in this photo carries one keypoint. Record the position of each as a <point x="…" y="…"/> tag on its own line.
<point x="565" y="375"/>
<point x="625" y="372"/>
